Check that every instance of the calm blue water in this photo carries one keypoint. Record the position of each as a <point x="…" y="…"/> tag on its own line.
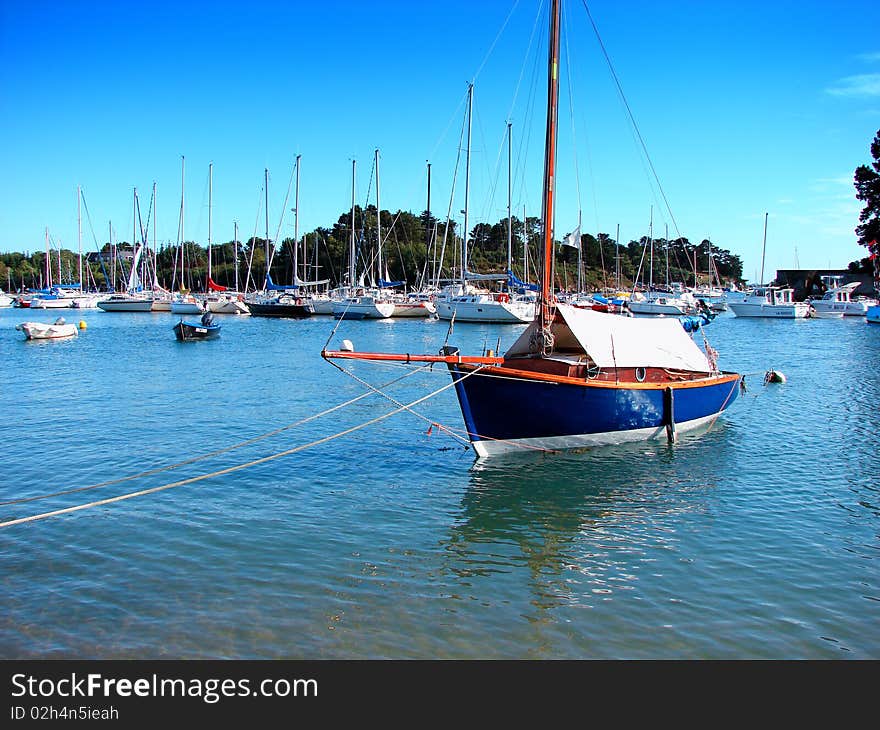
<point x="758" y="539"/>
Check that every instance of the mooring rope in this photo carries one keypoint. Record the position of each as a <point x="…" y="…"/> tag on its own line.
<point x="231" y="469"/>
<point x="233" y="447"/>
<point x="738" y="383"/>
<point x="451" y="431"/>
<point x="394" y="400"/>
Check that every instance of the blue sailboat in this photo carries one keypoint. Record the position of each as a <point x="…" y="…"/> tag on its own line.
<point x="577" y="377"/>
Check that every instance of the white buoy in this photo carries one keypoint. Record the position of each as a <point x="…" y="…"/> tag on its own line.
<point x="347" y="346"/>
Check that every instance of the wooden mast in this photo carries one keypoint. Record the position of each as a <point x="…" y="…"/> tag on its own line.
<point x="509" y="213"/>
<point x="268" y="258"/>
<point x="548" y="209"/>
<point x="79" y="235"/>
<point x="210" y="209"/>
<point x="379" y="265"/>
<point x="763" y="249"/>
<point x="467" y="186"/>
<point x="351" y="257"/>
<point x="296" y="228"/>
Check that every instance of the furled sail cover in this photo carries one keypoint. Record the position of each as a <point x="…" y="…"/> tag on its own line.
<point x="615" y="341"/>
<point x="214" y="286"/>
<point x="388" y="284"/>
<point x="514" y="281"/>
<point x="272" y="286"/>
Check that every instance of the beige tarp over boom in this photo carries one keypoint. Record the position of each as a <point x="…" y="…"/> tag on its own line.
<point x="615" y="341"/>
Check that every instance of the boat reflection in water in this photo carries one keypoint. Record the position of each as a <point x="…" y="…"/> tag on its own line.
<point x="580" y="528"/>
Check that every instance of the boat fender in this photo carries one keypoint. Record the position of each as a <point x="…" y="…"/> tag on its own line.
<point x="347" y="346"/>
<point x="82" y="324"/>
<point x="774" y="376"/>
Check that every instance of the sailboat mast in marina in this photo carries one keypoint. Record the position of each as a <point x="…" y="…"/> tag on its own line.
<point x="577" y="377"/>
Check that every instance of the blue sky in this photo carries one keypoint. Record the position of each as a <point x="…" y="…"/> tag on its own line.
<point x="744" y="107"/>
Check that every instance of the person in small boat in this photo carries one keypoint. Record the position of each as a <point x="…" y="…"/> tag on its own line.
<point x="208" y="319"/>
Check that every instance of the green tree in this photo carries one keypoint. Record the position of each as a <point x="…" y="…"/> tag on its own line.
<point x="867" y="183"/>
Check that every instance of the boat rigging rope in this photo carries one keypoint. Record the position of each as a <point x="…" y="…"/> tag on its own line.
<point x="453" y="432"/>
<point x="231" y="469"/>
<point x="632" y="118"/>
<point x="736" y="384"/>
<point x="398" y="403"/>
<point x="217" y="452"/>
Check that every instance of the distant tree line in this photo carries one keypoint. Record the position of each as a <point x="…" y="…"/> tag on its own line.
<point x="414" y="249"/>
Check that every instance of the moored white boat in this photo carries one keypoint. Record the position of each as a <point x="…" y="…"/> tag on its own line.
<point x="825" y="314"/>
<point x="51" y="301"/>
<point x="127" y="303"/>
<point x="44" y="331"/>
<point x="320" y="303"/>
<point x="186" y="304"/>
<point x="365" y="304"/>
<point x="840" y="299"/>
<point x="485" y="307"/>
<point x="88" y="301"/>
<point x="226" y="303"/>
<point x="658" y="303"/>
<point x="770" y="301"/>
<point x="412" y="307"/>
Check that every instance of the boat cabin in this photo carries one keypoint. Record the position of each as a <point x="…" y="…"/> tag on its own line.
<point x="775" y="295"/>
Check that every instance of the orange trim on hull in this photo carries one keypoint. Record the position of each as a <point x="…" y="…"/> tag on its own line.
<point x="492" y="366"/>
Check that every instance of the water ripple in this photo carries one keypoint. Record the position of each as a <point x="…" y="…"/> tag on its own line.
<point x="758" y="539"/>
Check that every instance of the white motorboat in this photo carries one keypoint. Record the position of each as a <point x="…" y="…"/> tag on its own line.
<point x="841" y="299"/>
<point x="659" y="303"/>
<point x="770" y="301"/>
<point x="43" y="331"/>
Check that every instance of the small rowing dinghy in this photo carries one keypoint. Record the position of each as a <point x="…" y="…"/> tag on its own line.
<point x="203" y="330"/>
<point x="42" y="331"/>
